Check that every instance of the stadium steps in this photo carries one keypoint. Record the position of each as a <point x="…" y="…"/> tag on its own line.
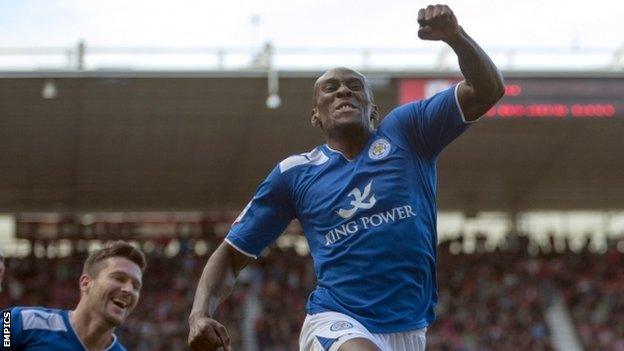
<point x="562" y="329"/>
<point x="252" y="308"/>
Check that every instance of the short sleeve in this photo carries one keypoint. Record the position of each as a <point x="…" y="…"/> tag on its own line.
<point x="428" y="125"/>
<point x="264" y="218"/>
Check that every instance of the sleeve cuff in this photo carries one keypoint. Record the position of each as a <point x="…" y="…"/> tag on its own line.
<point x="239" y="249"/>
<point x="461" y="113"/>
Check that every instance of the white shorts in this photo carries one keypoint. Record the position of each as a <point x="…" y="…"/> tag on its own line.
<point x="327" y="331"/>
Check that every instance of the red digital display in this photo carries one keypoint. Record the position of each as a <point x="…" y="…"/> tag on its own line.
<point x="552" y="110"/>
<point x="538" y="97"/>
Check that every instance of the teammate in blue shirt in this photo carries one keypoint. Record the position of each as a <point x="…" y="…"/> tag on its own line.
<point x="366" y="203"/>
<point x="109" y="290"/>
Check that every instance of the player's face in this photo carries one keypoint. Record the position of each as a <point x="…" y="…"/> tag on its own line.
<point x="343" y="100"/>
<point x="114" y="293"/>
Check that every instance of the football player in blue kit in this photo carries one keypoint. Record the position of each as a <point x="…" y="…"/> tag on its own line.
<point x="110" y="284"/>
<point x="366" y="203"/>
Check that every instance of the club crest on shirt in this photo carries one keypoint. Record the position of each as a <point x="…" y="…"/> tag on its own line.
<point x="379" y="149"/>
<point x="340" y="325"/>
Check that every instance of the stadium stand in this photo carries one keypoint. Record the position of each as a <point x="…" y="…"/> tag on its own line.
<point x="488" y="300"/>
<point x="593" y="286"/>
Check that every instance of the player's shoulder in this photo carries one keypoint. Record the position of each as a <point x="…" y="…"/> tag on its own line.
<point x="36" y="309"/>
<point x="315" y="157"/>
<point x="401" y="114"/>
<point x="36" y="317"/>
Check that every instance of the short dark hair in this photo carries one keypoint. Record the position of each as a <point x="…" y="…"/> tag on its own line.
<point x="367" y="84"/>
<point x="118" y="248"/>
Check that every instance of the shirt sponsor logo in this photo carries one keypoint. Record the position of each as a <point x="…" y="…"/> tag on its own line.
<point x="375" y="220"/>
<point x="379" y="149"/>
<point x="359" y="201"/>
<point x="340" y="325"/>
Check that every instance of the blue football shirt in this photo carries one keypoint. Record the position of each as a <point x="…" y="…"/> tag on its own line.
<point x="370" y="222"/>
<point x="44" y="329"/>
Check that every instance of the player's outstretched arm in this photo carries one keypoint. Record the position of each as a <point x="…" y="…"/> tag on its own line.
<point x="483" y="85"/>
<point x="215" y="285"/>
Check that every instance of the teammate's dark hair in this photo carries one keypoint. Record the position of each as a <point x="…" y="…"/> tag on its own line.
<point x="119" y="248"/>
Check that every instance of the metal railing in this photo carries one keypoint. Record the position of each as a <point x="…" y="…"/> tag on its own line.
<point x="95" y="58"/>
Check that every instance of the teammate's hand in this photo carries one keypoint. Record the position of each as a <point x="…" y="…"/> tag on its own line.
<point x="437" y="22"/>
<point x="206" y="334"/>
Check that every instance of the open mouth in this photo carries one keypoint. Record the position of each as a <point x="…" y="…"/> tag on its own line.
<point x="344" y="106"/>
<point x="123" y="304"/>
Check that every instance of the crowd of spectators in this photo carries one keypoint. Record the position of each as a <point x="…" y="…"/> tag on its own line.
<point x="488" y="300"/>
<point x="593" y="287"/>
<point x="288" y="278"/>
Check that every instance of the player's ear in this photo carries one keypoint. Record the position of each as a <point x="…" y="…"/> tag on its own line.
<point x="375" y="114"/>
<point x="314" y="118"/>
<point x="84" y="282"/>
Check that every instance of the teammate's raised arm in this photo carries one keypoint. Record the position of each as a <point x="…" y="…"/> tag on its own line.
<point x="215" y="285"/>
<point x="483" y="85"/>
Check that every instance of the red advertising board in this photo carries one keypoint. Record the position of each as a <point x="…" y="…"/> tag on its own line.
<point x="538" y="97"/>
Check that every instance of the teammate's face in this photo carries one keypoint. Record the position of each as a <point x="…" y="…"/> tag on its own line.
<point x="342" y="99"/>
<point x="114" y="292"/>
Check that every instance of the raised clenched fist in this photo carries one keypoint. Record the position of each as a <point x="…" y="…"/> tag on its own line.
<point x="437" y="22"/>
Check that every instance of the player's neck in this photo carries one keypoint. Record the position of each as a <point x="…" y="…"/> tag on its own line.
<point x="349" y="144"/>
<point x="93" y="332"/>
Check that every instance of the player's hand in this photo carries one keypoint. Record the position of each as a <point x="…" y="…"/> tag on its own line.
<point x="437" y="22"/>
<point x="206" y="334"/>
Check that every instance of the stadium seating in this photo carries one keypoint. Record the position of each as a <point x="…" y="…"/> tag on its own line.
<point x="488" y="300"/>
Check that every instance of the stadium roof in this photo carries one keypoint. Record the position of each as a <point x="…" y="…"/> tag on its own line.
<point x="115" y="141"/>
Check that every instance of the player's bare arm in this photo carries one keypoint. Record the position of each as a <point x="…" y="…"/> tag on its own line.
<point x="215" y="285"/>
<point x="483" y="85"/>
